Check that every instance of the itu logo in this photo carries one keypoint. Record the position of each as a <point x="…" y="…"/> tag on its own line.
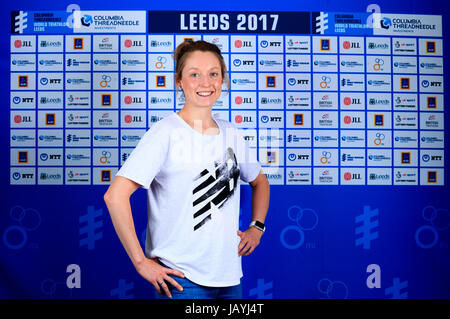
<point x="427" y="236"/>
<point x="332" y="289"/>
<point x="160" y="62"/>
<point x="293" y="236"/>
<point x="377" y="66"/>
<point x="325" y="158"/>
<point x="105" y="81"/>
<point x="379" y="139"/>
<point x="325" y="83"/>
<point x="26" y="219"/>
<point x="55" y="289"/>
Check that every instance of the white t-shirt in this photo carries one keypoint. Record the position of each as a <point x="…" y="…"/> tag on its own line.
<point x="193" y="187"/>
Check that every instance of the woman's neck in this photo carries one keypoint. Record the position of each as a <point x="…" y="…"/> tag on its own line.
<point x="199" y="119"/>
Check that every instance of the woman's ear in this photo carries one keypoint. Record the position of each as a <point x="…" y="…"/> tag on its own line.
<point x="178" y="82"/>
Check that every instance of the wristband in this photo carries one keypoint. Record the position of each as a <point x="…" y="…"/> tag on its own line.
<point x="258" y="225"/>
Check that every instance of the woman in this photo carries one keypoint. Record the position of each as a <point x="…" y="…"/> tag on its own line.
<point x="190" y="164"/>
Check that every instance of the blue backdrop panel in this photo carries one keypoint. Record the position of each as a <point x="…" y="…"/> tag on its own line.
<point x="333" y="241"/>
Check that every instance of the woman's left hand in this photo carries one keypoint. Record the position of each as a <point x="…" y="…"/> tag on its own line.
<point x="249" y="240"/>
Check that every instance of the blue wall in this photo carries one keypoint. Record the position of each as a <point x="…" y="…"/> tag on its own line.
<point x="310" y="249"/>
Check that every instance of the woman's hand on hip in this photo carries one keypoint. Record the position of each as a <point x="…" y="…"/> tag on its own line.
<point x="158" y="275"/>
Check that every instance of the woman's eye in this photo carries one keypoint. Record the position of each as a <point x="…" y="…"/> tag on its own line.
<point x="194" y="75"/>
<point x="214" y="74"/>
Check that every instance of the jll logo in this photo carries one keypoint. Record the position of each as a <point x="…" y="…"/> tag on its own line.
<point x="349" y="101"/>
<point x="132" y="100"/>
<point x="349" y="176"/>
<point x="129" y="118"/>
<point x="350" y="45"/>
<point x="22" y="44"/>
<point x="240" y="100"/>
<point x="349" y="119"/>
<point x="129" y="43"/>
<point x="239" y="119"/>
<point x="242" y="44"/>
<point x="22" y="119"/>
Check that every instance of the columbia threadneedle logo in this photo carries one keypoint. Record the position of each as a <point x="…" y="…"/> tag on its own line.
<point x="368" y="224"/>
<point x="86" y="20"/>
<point x="385" y="23"/>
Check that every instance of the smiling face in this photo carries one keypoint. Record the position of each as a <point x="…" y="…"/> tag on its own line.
<point x="201" y="79"/>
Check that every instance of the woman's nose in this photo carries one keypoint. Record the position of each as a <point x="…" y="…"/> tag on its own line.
<point x="205" y="80"/>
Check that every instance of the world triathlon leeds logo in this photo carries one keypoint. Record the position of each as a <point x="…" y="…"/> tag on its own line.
<point x="18" y="21"/>
<point x="366" y="222"/>
<point x="90" y="225"/>
<point x="321" y="22"/>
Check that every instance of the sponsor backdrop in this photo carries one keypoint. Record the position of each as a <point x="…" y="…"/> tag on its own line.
<point x="342" y="103"/>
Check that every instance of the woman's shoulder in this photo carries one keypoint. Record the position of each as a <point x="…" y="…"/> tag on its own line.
<point x="162" y="128"/>
<point x="225" y="124"/>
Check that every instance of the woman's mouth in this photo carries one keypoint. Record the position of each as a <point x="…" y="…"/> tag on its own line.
<point x="205" y="93"/>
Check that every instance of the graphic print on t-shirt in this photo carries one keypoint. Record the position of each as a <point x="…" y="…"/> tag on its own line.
<point x="214" y="188"/>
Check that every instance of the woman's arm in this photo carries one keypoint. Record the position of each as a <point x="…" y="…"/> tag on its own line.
<point x="260" y="205"/>
<point x="260" y="197"/>
<point x="117" y="199"/>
